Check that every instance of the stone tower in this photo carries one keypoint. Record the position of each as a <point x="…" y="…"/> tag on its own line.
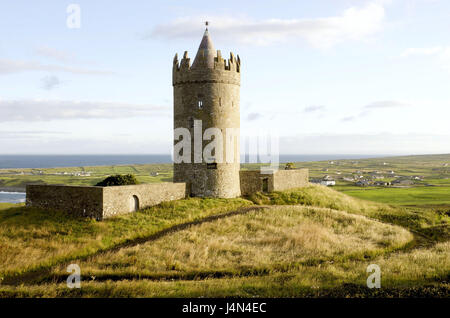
<point x="206" y="95"/>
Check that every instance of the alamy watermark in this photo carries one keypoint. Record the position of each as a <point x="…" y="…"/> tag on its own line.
<point x="374" y="279"/>
<point x="223" y="146"/>
<point x="74" y="279"/>
<point x="74" y="16"/>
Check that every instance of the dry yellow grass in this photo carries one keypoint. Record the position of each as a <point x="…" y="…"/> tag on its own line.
<point x="32" y="238"/>
<point x="270" y="239"/>
<point x="402" y="270"/>
<point x="406" y="268"/>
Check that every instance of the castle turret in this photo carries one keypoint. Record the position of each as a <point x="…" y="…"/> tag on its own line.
<point x="206" y="95"/>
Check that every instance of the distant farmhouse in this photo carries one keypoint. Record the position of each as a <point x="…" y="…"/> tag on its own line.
<point x="402" y="182"/>
<point x="326" y="181"/>
<point x="208" y="91"/>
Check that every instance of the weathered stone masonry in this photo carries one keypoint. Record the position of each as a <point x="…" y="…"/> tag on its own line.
<point x="208" y="91"/>
<point x="105" y="202"/>
<point x="255" y="181"/>
<point x="102" y="202"/>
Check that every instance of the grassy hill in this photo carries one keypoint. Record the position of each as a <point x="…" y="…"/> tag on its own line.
<point x="307" y="242"/>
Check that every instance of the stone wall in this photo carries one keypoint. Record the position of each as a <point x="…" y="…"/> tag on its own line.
<point x="102" y="202"/>
<point x="253" y="180"/>
<point x="105" y="202"/>
<point x="77" y="201"/>
<point x="122" y="199"/>
<point x="290" y="179"/>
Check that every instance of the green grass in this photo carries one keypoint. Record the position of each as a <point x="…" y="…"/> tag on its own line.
<point x="418" y="219"/>
<point x="401" y="196"/>
<point x="4" y="206"/>
<point x="33" y="238"/>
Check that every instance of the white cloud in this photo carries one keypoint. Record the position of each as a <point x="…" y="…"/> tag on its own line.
<point x="440" y="53"/>
<point x="386" y="104"/>
<point x="44" y="110"/>
<point x="354" y="23"/>
<point x="29" y="134"/>
<point x="56" y="54"/>
<point x="254" y="116"/>
<point x="348" y="118"/>
<point x="314" y="108"/>
<point x="16" y="66"/>
<point x="369" y="108"/>
<point x="421" y="51"/>
<point x="382" y="143"/>
<point x="50" y="82"/>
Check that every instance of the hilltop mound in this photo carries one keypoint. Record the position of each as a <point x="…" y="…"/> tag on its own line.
<point x="271" y="239"/>
<point x="318" y="196"/>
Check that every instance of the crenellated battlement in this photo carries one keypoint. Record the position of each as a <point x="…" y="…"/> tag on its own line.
<point x="222" y="70"/>
<point x="231" y="64"/>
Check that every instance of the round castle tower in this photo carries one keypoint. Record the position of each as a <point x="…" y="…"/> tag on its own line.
<point x="206" y="95"/>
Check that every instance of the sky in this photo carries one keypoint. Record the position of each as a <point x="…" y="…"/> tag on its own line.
<point x="328" y="76"/>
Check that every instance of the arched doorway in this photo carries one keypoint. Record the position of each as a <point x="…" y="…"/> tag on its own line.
<point x="134" y="204"/>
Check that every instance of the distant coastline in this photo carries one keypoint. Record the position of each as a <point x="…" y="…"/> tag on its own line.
<point x="12" y="189"/>
<point x="65" y="161"/>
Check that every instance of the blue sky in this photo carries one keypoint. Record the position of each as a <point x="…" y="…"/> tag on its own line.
<point x="331" y="76"/>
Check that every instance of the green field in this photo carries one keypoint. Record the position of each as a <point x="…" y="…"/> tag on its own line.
<point x="18" y="178"/>
<point x="401" y="196"/>
<point x="433" y="189"/>
<point x="314" y="241"/>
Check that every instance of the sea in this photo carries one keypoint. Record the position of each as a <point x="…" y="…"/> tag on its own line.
<point x="12" y="197"/>
<point x="51" y="161"/>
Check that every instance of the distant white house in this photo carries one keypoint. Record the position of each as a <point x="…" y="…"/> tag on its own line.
<point x="326" y="181"/>
<point x="381" y="183"/>
<point x="402" y="181"/>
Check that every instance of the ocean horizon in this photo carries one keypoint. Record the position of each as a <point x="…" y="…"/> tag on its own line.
<point x="57" y="161"/>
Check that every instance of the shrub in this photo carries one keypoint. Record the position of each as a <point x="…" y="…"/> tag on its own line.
<point x="117" y="180"/>
<point x="289" y="166"/>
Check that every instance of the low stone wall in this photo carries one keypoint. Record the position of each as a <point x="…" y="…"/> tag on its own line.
<point x="290" y="179"/>
<point x="105" y="202"/>
<point x="125" y="199"/>
<point x="78" y="201"/>
<point x="253" y="181"/>
<point x="102" y="202"/>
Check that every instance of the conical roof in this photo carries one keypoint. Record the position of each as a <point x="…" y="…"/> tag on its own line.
<point x="206" y="52"/>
